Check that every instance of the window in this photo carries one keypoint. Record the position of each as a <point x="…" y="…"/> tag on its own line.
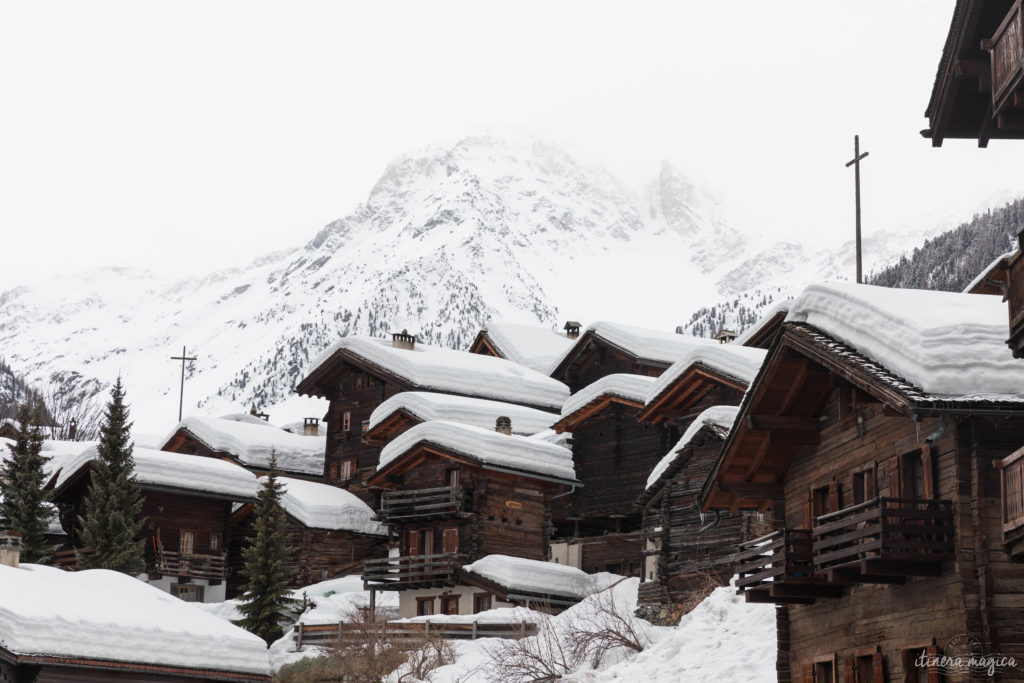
<point x="424" y="607"/>
<point x="427" y="541"/>
<point x="359" y="383"/>
<point x="371" y="381"/>
<point x="820" y="672"/>
<point x="453" y="477"/>
<point x="449" y="604"/>
<point x="187" y="592"/>
<point x="186" y="542"/>
<point x="863" y="486"/>
<point x="917" y="475"/>
<point x="481" y="602"/>
<point x="335" y="470"/>
<point x="346" y="469"/>
<point x="366" y="426"/>
<point x="867" y="668"/>
<point x="819" y="501"/>
<point x="920" y="664"/>
<point x="346" y="421"/>
<point x="214" y="541"/>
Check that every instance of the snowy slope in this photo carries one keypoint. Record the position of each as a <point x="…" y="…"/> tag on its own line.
<point x="450" y="238"/>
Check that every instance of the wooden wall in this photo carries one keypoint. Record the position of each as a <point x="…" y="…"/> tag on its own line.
<point x="167" y="513"/>
<point x="601" y="360"/>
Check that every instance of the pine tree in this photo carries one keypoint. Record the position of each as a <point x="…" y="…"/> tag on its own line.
<point x="23" y="505"/>
<point x="267" y="599"/>
<point x="113" y="505"/>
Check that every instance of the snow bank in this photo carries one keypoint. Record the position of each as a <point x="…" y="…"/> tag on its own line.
<point x="534" y="576"/>
<point x="953" y="346"/>
<point x="252" y="443"/>
<point x="107" y="615"/>
<point x="319" y="506"/>
<point x="988" y="269"/>
<point x="738" y="362"/>
<point x="437" y="369"/>
<point x="61" y="452"/>
<point x="176" y="470"/>
<point x="534" y="346"/>
<point x="642" y="342"/>
<point x="551" y="436"/>
<point x="623" y="385"/>
<point x="722" y="417"/>
<point x="487" y="446"/>
<point x="477" y="412"/>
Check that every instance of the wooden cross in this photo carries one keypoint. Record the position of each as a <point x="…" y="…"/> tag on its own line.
<point x="181" y="396"/>
<point x="855" y="162"/>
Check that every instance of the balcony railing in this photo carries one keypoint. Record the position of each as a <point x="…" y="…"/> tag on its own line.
<point x="1007" y="54"/>
<point x="434" y="503"/>
<point x="885" y="540"/>
<point x="1012" y="484"/>
<point x="412" y="571"/>
<point x="197" y="566"/>
<point x="779" y="567"/>
<point x="1015" y="297"/>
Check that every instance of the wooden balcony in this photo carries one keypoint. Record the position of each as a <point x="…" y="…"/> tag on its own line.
<point x="211" y="566"/>
<point x="884" y="540"/>
<point x="1012" y="485"/>
<point x="779" y="568"/>
<point x="1007" y="55"/>
<point x="436" y="503"/>
<point x="1015" y="297"/>
<point x="412" y="571"/>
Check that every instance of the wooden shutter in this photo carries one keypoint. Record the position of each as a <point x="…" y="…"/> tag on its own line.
<point x="848" y="675"/>
<point x="877" y="668"/>
<point x="413" y="541"/>
<point x="807" y="510"/>
<point x="933" y="675"/>
<point x="927" y="471"/>
<point x="833" y="497"/>
<point x="450" y="540"/>
<point x="808" y="673"/>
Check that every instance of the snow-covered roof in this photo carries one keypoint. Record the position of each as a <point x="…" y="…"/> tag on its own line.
<point x="952" y="346"/>
<point x="177" y="470"/>
<point x="252" y="443"/>
<point x="648" y="344"/>
<point x="521" y="453"/>
<point x="551" y="436"/>
<point x="533" y="576"/>
<point x="720" y="417"/>
<point x="478" y="412"/>
<point x="106" y="615"/>
<point x="534" y="346"/>
<point x="434" y="368"/>
<point x="623" y="385"/>
<point x="738" y="362"/>
<point x="780" y="306"/>
<point x="987" y="270"/>
<point x="247" y="418"/>
<point x="319" y="506"/>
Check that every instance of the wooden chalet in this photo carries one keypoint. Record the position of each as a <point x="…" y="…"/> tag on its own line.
<point x="330" y="530"/>
<point x="248" y="441"/>
<point x="358" y="374"/>
<point x="455" y="494"/>
<point x="597" y="527"/>
<point x="9" y="429"/>
<point x="610" y="348"/>
<point x="106" y="626"/>
<point x="187" y="512"/>
<point x="534" y="346"/>
<point x="874" y="446"/>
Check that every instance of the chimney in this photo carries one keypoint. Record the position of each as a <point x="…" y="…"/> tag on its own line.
<point x="310" y="426"/>
<point x="725" y="336"/>
<point x="10" y="548"/>
<point x="403" y="340"/>
<point x="72" y="429"/>
<point x="503" y="425"/>
<point x="572" y="329"/>
<point x="261" y="415"/>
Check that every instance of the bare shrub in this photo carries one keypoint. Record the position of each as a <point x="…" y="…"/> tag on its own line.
<point x="67" y="404"/>
<point x="602" y="627"/>
<point x="698" y="585"/>
<point x="543" y="657"/>
<point x="431" y="652"/>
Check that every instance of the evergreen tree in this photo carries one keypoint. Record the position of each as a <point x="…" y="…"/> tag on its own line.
<point x="113" y="505"/>
<point x="22" y="506"/>
<point x="267" y="599"/>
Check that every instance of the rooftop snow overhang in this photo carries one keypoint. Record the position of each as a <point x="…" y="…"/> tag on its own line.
<point x="679" y="398"/>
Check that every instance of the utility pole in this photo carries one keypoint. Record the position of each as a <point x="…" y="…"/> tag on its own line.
<point x="181" y="396"/>
<point x="855" y="162"/>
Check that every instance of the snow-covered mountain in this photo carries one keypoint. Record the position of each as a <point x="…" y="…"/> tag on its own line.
<point x="450" y="237"/>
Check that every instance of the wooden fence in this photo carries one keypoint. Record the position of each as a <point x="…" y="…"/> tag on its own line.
<point x="332" y="634"/>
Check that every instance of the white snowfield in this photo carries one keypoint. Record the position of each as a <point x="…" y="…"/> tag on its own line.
<point x="534" y="576"/>
<point x="656" y="345"/>
<point x="781" y="306"/>
<point x="478" y="412"/>
<point x="985" y="271"/>
<point x="534" y="346"/>
<point x="319" y="506"/>
<point x="176" y="470"/>
<point x="952" y="346"/>
<point x="101" y="614"/>
<point x="623" y="385"/>
<point x="434" y="368"/>
<point x="514" y="452"/>
<point x="738" y="362"/>
<point x="252" y="443"/>
<point x="720" y="416"/>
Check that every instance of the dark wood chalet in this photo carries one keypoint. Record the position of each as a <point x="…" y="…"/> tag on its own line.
<point x="978" y="92"/>
<point x="9" y="429"/>
<point x="763" y="332"/>
<point x="187" y="514"/>
<point x="883" y="488"/>
<point x="534" y="346"/>
<point x="331" y="531"/>
<point x="455" y="494"/>
<point x="609" y="348"/>
<point x="994" y="279"/>
<point x="598" y="525"/>
<point x="357" y="374"/>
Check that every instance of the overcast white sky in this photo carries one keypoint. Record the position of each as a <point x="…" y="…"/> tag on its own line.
<point x="187" y="135"/>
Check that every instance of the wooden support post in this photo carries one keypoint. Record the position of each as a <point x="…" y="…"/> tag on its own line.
<point x="373" y="605"/>
<point x="298" y="637"/>
<point x="474" y="630"/>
